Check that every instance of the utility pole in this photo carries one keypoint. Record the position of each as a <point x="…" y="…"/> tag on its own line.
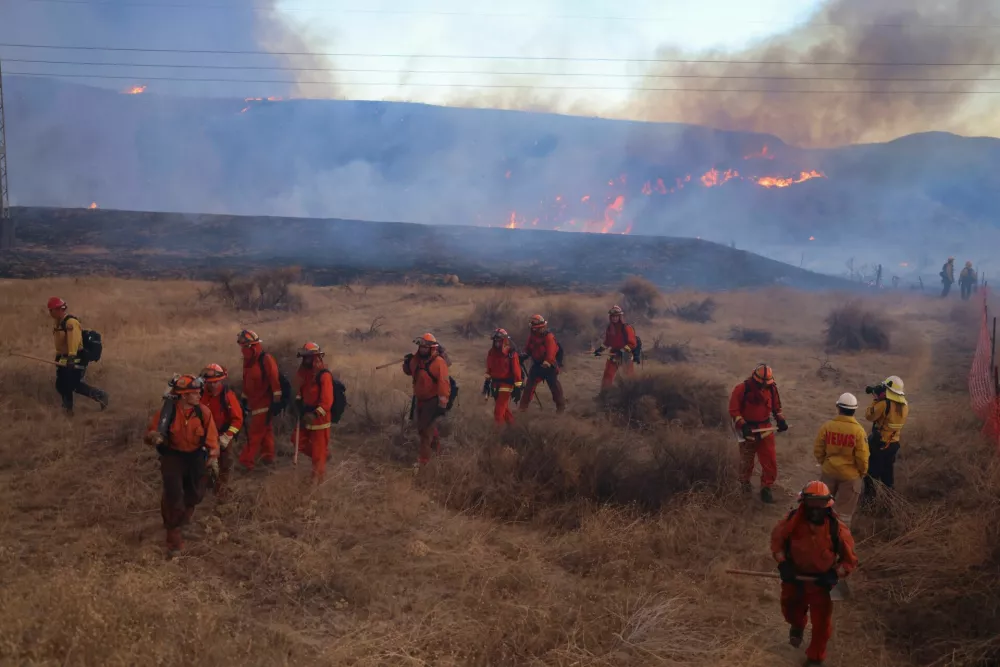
<point x="6" y="221"/>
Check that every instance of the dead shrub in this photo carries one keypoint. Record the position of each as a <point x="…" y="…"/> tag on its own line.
<point x="678" y="396"/>
<point x="750" y="336"/>
<point x="701" y="312"/>
<point x="373" y="331"/>
<point x="640" y="298"/>
<point x="264" y="290"/>
<point x="665" y="352"/>
<point x="852" y="328"/>
<point x="496" y="311"/>
<point x="556" y="471"/>
<point x="575" y="328"/>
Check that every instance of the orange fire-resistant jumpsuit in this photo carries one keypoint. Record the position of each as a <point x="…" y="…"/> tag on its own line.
<point x="542" y="348"/>
<point x="810" y="548"/>
<point x="430" y="386"/>
<point x="504" y="368"/>
<point x="754" y="404"/>
<point x="190" y="443"/>
<point x="618" y="337"/>
<point x="228" y="416"/>
<point x="261" y="387"/>
<point x="315" y="396"/>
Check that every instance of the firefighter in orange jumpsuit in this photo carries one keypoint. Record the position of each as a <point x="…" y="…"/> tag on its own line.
<point x="620" y="339"/>
<point x="751" y="405"/>
<point x="543" y="350"/>
<point x="314" y="400"/>
<point x="227" y="411"/>
<point x="185" y="436"/>
<point x="262" y="391"/>
<point x="812" y="543"/>
<point x="431" y="391"/>
<point x="503" y="376"/>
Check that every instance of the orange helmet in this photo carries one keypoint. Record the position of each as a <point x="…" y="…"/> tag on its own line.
<point x="817" y="494"/>
<point x="247" y="338"/>
<point x="763" y="375"/>
<point x="214" y="373"/>
<point x="427" y="340"/>
<point x="55" y="303"/>
<point x="537" y="322"/>
<point x="616" y="310"/>
<point x="501" y="334"/>
<point x="186" y="384"/>
<point x="310" y="350"/>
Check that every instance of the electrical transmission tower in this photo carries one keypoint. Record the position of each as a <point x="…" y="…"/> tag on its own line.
<point x="6" y="221"/>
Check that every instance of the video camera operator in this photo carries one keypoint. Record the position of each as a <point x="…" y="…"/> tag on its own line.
<point x="888" y="413"/>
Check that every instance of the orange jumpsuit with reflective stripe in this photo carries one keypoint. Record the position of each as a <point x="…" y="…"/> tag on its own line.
<point x="228" y="415"/>
<point x="430" y="386"/>
<point x="315" y="395"/>
<point x="504" y="368"/>
<point x="753" y="404"/>
<point x="261" y="387"/>
<point x="617" y="337"/>
<point x="542" y="348"/>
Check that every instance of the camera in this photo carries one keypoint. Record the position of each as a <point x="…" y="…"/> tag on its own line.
<point x="875" y="389"/>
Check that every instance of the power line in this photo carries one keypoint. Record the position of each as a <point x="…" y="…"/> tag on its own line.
<point x="411" y="84"/>
<point x="540" y="17"/>
<point x="495" y="57"/>
<point x="495" y="73"/>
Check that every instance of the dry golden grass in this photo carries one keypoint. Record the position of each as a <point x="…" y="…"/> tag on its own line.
<point x="567" y="541"/>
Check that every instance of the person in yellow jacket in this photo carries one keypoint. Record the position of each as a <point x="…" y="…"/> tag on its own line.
<point x="841" y="447"/>
<point x="947" y="276"/>
<point x="967" y="280"/>
<point x="67" y="334"/>
<point x="888" y="413"/>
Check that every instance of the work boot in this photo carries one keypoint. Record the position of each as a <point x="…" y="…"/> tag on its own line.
<point x="745" y="488"/>
<point x="103" y="400"/>
<point x="795" y="636"/>
<point x="813" y="663"/>
<point x="766" y="495"/>
<point x="174" y="542"/>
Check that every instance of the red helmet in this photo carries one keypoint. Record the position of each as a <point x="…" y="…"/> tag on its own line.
<point x="186" y="384"/>
<point x="816" y="494"/>
<point x="537" y="322"/>
<point x="214" y="373"/>
<point x="247" y="338"/>
<point x="427" y="340"/>
<point x="55" y="303"/>
<point x="763" y="375"/>
<point x="501" y="334"/>
<point x="310" y="350"/>
<point x="616" y="310"/>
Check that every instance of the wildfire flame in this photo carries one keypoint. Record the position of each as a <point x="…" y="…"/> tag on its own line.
<point x="812" y="238"/>
<point x="134" y="90"/>
<point x="714" y="177"/>
<point x="93" y="205"/>
<point x="762" y="154"/>
<point x="778" y="182"/>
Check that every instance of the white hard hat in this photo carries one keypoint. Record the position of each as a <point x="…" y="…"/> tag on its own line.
<point x="848" y="402"/>
<point x="895" y="385"/>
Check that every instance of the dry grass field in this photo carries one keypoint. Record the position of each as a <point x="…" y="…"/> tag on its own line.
<point x="601" y="541"/>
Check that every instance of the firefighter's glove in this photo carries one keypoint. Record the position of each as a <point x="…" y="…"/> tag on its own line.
<point x="546" y="365"/>
<point x="62" y="361"/>
<point x="516" y="394"/>
<point x="782" y="426"/>
<point x="309" y="417"/>
<point x="275" y="408"/>
<point x="442" y="404"/>
<point x="523" y="356"/>
<point x="627" y="349"/>
<point x="154" y="439"/>
<point x="828" y="579"/>
<point x="787" y="571"/>
<point x="747" y="430"/>
<point x="599" y="351"/>
<point x="224" y="440"/>
<point x="212" y="466"/>
<point x="486" y="386"/>
<point x="406" y="359"/>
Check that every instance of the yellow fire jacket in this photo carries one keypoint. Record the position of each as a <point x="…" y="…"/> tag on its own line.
<point x="841" y="447"/>
<point x="68" y="338"/>
<point x="889" y="418"/>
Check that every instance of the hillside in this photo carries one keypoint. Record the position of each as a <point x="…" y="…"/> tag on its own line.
<point x="79" y="241"/>
<point x="71" y="145"/>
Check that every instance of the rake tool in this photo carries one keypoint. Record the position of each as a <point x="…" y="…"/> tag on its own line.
<point x="838" y="593"/>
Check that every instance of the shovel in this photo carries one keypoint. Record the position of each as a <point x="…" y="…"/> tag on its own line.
<point x="838" y="593"/>
<point x="759" y="431"/>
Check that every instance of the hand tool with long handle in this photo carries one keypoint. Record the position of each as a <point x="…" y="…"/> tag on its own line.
<point x="391" y="363"/>
<point x="839" y="592"/>
<point x="28" y="356"/>
<point x="295" y="456"/>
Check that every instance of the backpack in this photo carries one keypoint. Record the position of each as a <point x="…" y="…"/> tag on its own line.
<point x="339" y="397"/>
<point x="167" y="414"/>
<point x="834" y="536"/>
<point x="229" y="417"/>
<point x="92" y="347"/>
<point x="453" y="394"/>
<point x="286" y="386"/>
<point x="637" y="351"/>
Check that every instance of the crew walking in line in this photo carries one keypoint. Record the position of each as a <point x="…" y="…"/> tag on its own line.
<point x="71" y="357"/>
<point x="262" y="391"/>
<point x="503" y="377"/>
<point x="814" y="550"/>
<point x="620" y="340"/>
<point x="431" y="392"/>
<point x="888" y="413"/>
<point x="227" y="412"/>
<point x="751" y="405"/>
<point x="186" y="438"/>
<point x="967" y="280"/>
<point x="314" y="400"/>
<point x="545" y="355"/>
<point x="841" y="448"/>
<point x="947" y="276"/>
